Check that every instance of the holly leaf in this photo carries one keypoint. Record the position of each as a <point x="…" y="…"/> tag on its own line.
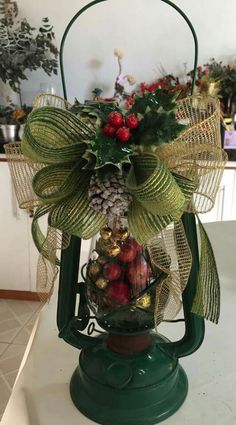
<point x="157" y="128"/>
<point x="154" y="102"/>
<point x="107" y="150"/>
<point x="166" y="101"/>
<point x="158" y="124"/>
<point x="100" y="110"/>
<point x="105" y="172"/>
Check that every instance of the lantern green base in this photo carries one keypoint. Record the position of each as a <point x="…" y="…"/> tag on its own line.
<point x="136" y="389"/>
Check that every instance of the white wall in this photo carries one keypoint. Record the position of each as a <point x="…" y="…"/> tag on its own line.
<point x="149" y="31"/>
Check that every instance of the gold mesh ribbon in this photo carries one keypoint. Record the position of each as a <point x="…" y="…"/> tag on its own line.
<point x="170" y="251"/>
<point x="208" y="285"/>
<point x="165" y="181"/>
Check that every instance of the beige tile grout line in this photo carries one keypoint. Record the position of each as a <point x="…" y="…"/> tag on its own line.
<point x="22" y="326"/>
<point x="4" y="379"/>
<point x="17" y="317"/>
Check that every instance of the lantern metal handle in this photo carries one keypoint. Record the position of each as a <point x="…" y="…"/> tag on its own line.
<point x="93" y="3"/>
<point x="68" y="325"/>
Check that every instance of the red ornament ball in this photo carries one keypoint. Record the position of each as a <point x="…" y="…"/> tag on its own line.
<point x="123" y="134"/>
<point x="132" y="121"/>
<point x="115" y="119"/>
<point x="138" y="272"/>
<point x="109" y="130"/>
<point x="138" y="248"/>
<point x="112" y="271"/>
<point x="118" y="291"/>
<point x="128" y="253"/>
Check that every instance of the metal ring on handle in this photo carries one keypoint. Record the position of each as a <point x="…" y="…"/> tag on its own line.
<point x="93" y="3"/>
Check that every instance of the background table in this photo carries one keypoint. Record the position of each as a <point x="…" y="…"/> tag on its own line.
<point x="41" y="394"/>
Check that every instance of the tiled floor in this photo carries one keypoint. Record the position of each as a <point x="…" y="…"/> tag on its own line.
<point x="16" y="322"/>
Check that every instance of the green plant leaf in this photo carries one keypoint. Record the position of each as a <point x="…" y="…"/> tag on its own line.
<point x="155" y="102"/>
<point x="108" y="151"/>
<point x="158" y="124"/>
<point x="94" y="108"/>
<point x="157" y="128"/>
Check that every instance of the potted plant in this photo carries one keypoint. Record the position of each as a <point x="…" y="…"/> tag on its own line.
<point x="24" y="48"/>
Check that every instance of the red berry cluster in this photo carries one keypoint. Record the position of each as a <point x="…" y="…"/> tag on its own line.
<point x="118" y="128"/>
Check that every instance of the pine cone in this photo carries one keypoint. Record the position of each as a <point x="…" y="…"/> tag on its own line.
<point x="110" y="197"/>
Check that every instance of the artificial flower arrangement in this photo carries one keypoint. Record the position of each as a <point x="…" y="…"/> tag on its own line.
<point x="11" y="114"/>
<point x="126" y="171"/>
<point x="213" y="79"/>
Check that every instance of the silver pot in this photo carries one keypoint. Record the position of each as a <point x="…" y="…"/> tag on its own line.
<point x="9" y="132"/>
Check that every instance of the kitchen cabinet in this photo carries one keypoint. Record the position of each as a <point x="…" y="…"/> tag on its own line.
<point x="225" y="205"/>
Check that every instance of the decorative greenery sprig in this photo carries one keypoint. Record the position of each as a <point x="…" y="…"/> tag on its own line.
<point x="23" y="47"/>
<point x="117" y="131"/>
<point x="158" y="123"/>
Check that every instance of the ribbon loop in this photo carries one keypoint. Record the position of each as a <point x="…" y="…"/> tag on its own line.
<point x="154" y="187"/>
<point x="56" y="182"/>
<point x="75" y="216"/>
<point x="54" y="136"/>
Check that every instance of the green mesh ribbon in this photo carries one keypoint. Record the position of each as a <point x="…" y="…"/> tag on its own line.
<point x="75" y="216"/>
<point x="154" y="186"/>
<point x="54" y="136"/>
<point x="57" y="137"/>
<point x="159" y="196"/>
<point x="207" y="298"/>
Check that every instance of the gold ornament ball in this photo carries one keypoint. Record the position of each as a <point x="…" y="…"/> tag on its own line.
<point x="94" y="269"/>
<point x="144" y="302"/>
<point x="101" y="283"/>
<point x="106" y="233"/>
<point x="114" y="250"/>
<point x="122" y="234"/>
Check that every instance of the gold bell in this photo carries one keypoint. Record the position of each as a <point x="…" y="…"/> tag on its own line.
<point x="122" y="234"/>
<point x="101" y="283"/>
<point x="114" y="250"/>
<point x="144" y="302"/>
<point x="106" y="233"/>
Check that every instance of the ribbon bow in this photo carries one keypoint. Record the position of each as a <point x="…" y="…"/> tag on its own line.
<point x="164" y="181"/>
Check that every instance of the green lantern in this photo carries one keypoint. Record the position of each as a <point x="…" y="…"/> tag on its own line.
<point x="126" y="376"/>
<point x="128" y="373"/>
